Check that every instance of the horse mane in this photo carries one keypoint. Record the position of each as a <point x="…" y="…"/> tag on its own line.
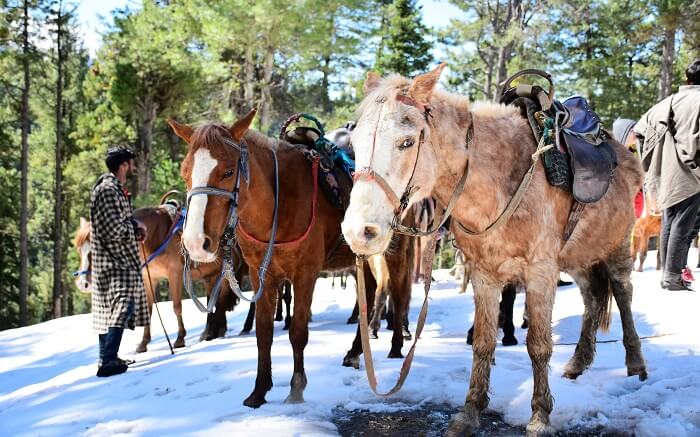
<point x="212" y="135"/>
<point x="81" y="236"/>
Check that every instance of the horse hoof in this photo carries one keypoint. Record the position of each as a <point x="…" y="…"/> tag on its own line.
<point x="407" y="335"/>
<point x="180" y="342"/>
<point x="353" y="362"/>
<point x="244" y="332"/>
<point x="351" y="321"/>
<point x="393" y="354"/>
<point x="294" y="399"/>
<point x="462" y="425"/>
<point x="539" y="427"/>
<point x="639" y="371"/>
<point x="141" y="348"/>
<point x="373" y="334"/>
<point x="509" y="340"/>
<point x="571" y="374"/>
<point x="254" y="401"/>
<point x="524" y="325"/>
<point x="279" y="318"/>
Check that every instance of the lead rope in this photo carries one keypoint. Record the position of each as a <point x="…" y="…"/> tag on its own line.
<point x="429" y="254"/>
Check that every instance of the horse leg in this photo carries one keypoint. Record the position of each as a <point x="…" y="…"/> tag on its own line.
<point x="278" y="313"/>
<point x="618" y="268"/>
<point x="175" y="285"/>
<point x="643" y="249"/>
<point x="143" y="346"/>
<point x="299" y="332"/>
<point x="541" y="286"/>
<point x="264" y="327"/>
<point x="486" y="295"/>
<point x="343" y="280"/>
<point x="595" y="292"/>
<point x="380" y="270"/>
<point x="352" y="358"/>
<point x="250" y="318"/>
<point x="506" y="310"/>
<point x="287" y="296"/>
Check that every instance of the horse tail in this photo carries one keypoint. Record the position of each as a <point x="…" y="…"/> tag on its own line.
<point x="601" y="286"/>
<point x="167" y="195"/>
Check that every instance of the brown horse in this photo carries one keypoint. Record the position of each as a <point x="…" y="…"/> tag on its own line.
<point x="645" y="228"/>
<point x="168" y="265"/>
<point x="410" y="134"/>
<point x="308" y="230"/>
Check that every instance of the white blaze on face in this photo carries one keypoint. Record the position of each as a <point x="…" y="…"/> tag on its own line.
<point x="82" y="281"/>
<point x="193" y="234"/>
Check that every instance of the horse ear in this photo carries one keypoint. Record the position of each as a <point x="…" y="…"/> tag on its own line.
<point x="240" y="127"/>
<point x="181" y="130"/>
<point x="83" y="222"/>
<point x="371" y="82"/>
<point x="423" y="85"/>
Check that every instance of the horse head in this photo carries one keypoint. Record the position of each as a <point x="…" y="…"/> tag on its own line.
<point x="83" y="279"/>
<point x="394" y="157"/>
<point x="213" y="161"/>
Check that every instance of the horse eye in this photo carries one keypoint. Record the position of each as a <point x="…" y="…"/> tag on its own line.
<point x="408" y="142"/>
<point x="228" y="174"/>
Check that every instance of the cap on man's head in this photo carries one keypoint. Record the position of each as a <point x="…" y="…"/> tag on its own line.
<point x="116" y="156"/>
<point x="692" y="73"/>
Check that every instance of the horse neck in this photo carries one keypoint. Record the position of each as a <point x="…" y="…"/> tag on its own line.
<point x="256" y="200"/>
<point x="498" y="158"/>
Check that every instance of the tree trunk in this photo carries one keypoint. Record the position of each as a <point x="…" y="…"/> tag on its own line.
<point x="23" y="215"/>
<point x="143" y="165"/>
<point x="266" y="89"/>
<point x="325" y="85"/>
<point x="249" y="85"/>
<point x="58" y="175"/>
<point x="667" y="58"/>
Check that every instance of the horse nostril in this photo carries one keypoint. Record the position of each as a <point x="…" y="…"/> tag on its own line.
<point x="371" y="232"/>
<point x="207" y="243"/>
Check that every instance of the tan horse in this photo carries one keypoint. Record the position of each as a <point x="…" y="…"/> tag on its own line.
<point x="168" y="266"/>
<point x="308" y="233"/>
<point x="407" y="127"/>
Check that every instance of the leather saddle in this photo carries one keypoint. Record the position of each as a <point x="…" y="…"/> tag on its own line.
<point x="583" y="161"/>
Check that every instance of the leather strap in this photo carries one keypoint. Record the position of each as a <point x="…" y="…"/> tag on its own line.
<point x="429" y="254"/>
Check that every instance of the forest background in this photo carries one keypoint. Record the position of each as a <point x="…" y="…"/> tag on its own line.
<point x="62" y="105"/>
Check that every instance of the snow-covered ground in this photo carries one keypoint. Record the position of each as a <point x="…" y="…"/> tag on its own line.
<point x="48" y="384"/>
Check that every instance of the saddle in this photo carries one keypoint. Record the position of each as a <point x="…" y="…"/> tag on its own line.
<point x="583" y="161"/>
<point x="335" y="166"/>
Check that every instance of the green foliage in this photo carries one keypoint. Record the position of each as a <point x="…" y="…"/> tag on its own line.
<point x="405" y="49"/>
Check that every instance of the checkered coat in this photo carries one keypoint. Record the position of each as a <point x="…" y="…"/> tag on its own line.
<point x="118" y="296"/>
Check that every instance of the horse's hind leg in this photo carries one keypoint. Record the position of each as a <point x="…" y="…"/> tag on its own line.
<point x="380" y="271"/>
<point x="175" y="285"/>
<point x="143" y="346"/>
<point x="643" y="249"/>
<point x="250" y="318"/>
<point x="618" y="268"/>
<point x="506" y="311"/>
<point x="594" y="291"/>
<point x="299" y="332"/>
<point x="352" y="358"/>
<point x="486" y="296"/>
<point x="287" y="297"/>
<point x="278" y="314"/>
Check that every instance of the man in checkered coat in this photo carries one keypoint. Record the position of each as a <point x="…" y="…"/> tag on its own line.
<point x="118" y="297"/>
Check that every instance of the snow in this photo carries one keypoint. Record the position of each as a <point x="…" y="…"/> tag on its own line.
<point x="48" y="384"/>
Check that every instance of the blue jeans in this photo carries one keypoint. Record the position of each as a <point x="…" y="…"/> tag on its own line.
<point x="109" y="342"/>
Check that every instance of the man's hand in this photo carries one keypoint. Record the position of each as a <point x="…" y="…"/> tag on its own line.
<point x="140" y="231"/>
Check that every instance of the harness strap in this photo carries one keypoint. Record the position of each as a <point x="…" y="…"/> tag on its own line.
<point x="429" y="254"/>
<point x="574" y="216"/>
<point x="312" y="221"/>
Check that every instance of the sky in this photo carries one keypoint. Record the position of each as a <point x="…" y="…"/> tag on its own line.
<point x="94" y="14"/>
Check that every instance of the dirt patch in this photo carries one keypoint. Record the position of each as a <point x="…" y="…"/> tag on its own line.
<point x="432" y="421"/>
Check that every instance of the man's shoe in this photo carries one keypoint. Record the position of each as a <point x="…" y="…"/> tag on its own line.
<point x="112" y="367"/>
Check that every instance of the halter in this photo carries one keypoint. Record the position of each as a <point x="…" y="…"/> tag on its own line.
<point x="229" y="236"/>
<point x="400" y="204"/>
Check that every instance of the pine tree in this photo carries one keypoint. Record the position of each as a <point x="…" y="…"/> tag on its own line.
<point x="404" y="49"/>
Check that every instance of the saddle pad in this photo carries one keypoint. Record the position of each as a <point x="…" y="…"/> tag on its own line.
<point x="592" y="167"/>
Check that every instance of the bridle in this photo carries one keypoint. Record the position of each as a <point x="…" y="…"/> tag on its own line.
<point x="400" y="204"/>
<point x="228" y="237"/>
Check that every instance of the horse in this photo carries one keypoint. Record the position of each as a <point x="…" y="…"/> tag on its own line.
<point x="415" y="139"/>
<point x="168" y="265"/>
<point x="645" y="228"/>
<point x="246" y="164"/>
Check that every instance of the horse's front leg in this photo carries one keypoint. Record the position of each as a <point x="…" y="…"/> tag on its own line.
<point x="264" y="326"/>
<point x="143" y="346"/>
<point x="541" y="286"/>
<point x="486" y="297"/>
<point x="299" y="331"/>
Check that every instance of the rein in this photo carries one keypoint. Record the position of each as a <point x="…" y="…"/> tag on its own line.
<point x="229" y="236"/>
